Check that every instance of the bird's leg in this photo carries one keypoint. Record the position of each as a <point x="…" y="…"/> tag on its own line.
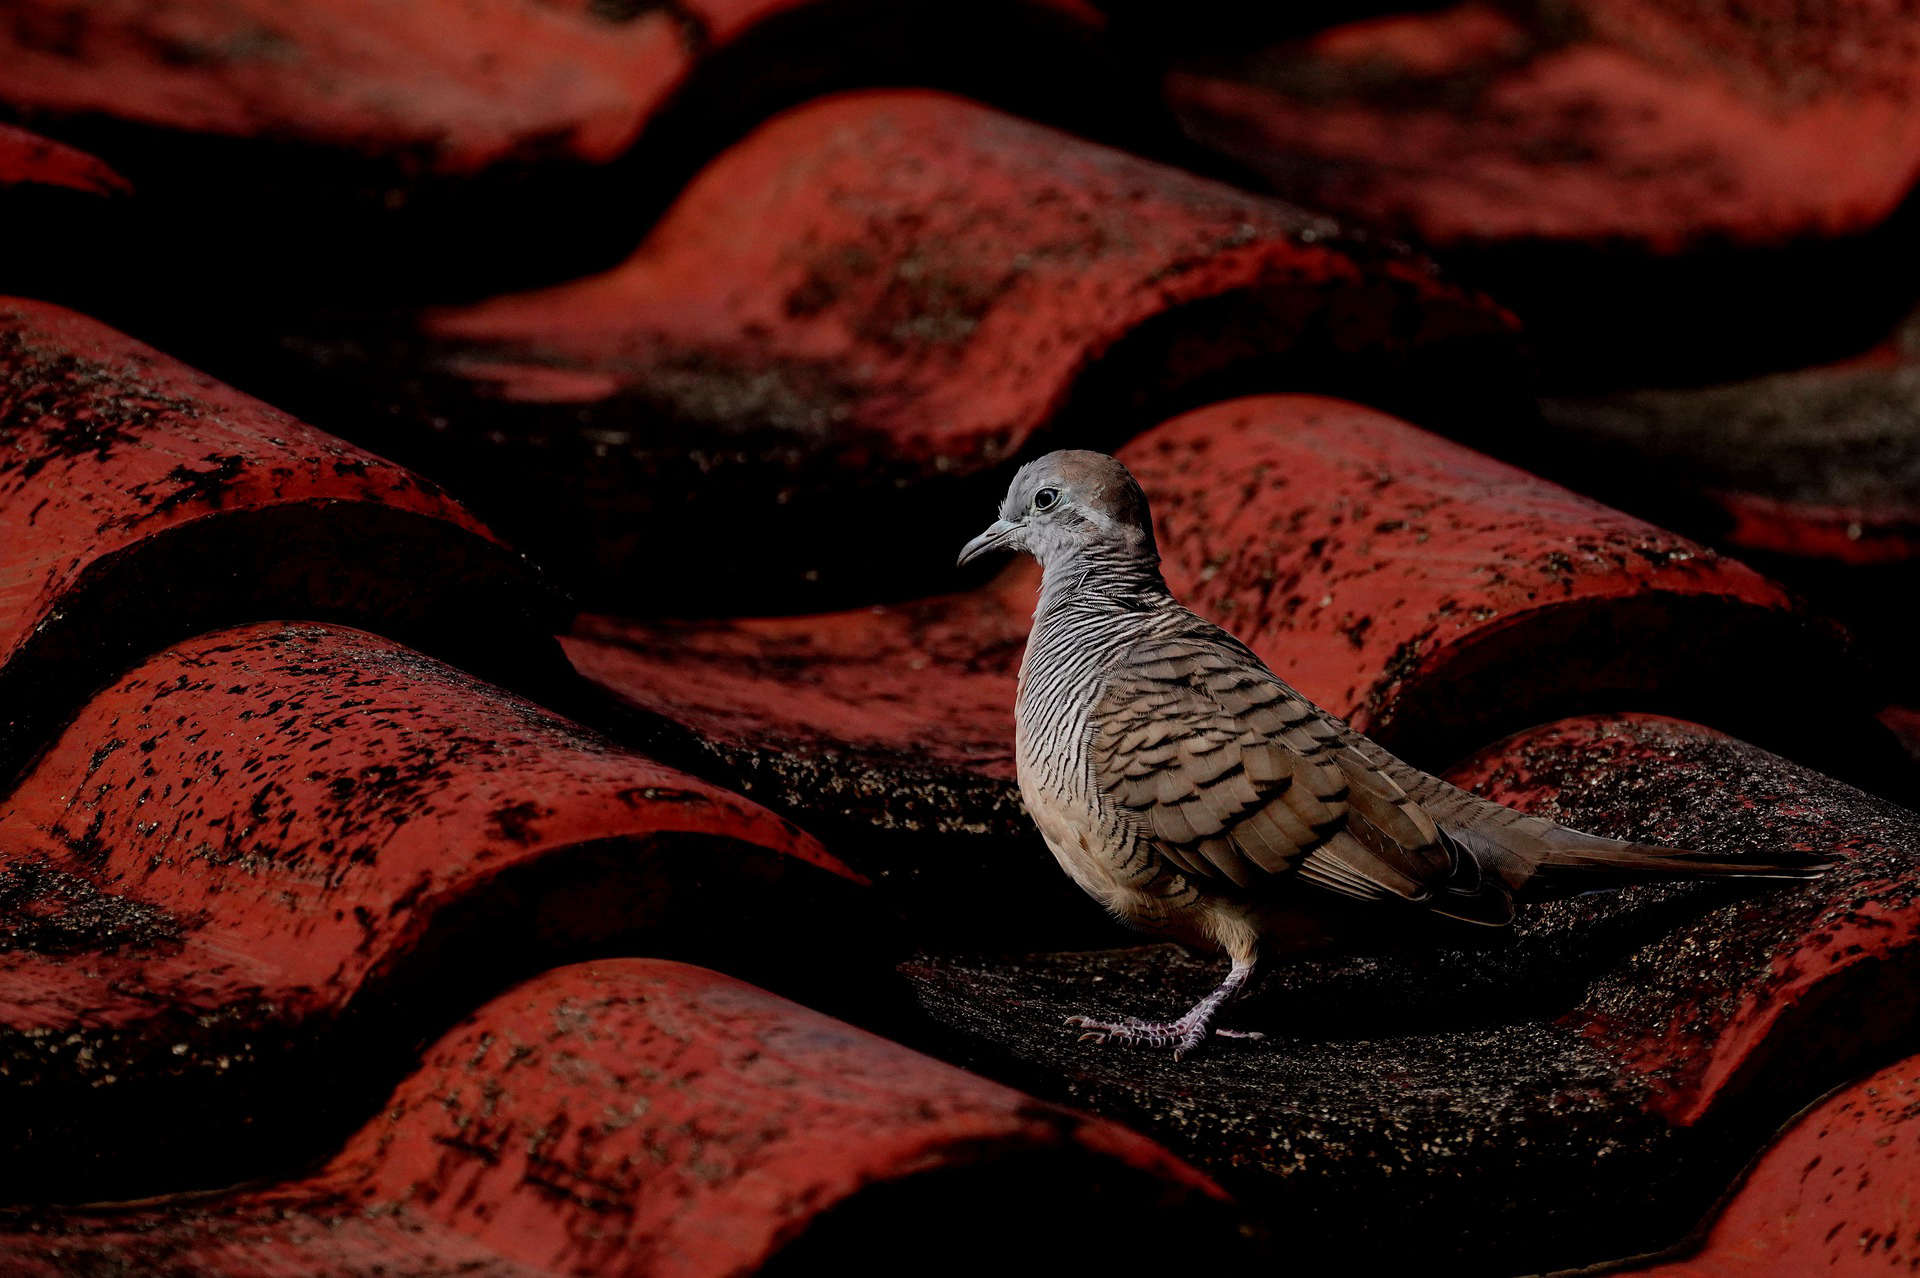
<point x="1182" y="1035"/>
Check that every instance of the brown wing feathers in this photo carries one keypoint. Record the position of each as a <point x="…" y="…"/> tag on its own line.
<point x="1237" y="777"/>
<point x="1400" y="847"/>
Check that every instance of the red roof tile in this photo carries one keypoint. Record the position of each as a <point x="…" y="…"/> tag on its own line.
<point x="867" y="302"/>
<point x="273" y="853"/>
<point x="29" y="159"/>
<point x="448" y="146"/>
<point x="429" y="85"/>
<point x="1636" y="121"/>
<point x="1666" y="194"/>
<point x="141" y="501"/>
<point x="1832" y="1196"/>
<point x="642" y="1117"/>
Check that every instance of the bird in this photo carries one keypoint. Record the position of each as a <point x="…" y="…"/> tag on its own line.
<point x="1188" y="789"/>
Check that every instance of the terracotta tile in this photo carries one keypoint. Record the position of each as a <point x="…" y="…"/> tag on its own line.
<point x="1831" y="1196"/>
<point x="253" y="870"/>
<point x="644" y="1117"/>
<point x="849" y="325"/>
<point x="141" y="501"/>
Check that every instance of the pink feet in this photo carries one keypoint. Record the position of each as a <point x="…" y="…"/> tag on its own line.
<point x="1182" y="1035"/>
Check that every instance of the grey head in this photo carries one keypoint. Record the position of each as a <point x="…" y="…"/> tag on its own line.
<point x="1068" y="506"/>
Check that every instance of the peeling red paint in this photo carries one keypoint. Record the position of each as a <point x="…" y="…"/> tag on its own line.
<point x="258" y="836"/>
<point x="644" y="1117"/>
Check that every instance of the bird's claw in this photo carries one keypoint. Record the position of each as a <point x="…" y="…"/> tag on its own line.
<point x="1182" y="1035"/>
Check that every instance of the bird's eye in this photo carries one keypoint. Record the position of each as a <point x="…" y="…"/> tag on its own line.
<point x="1046" y="499"/>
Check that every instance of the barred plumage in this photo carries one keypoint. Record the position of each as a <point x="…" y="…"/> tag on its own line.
<point x="1187" y="787"/>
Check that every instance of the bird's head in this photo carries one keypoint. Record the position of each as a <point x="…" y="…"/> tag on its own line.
<point x="1062" y="506"/>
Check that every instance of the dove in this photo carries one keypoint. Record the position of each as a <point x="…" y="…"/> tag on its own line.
<point x="1188" y="789"/>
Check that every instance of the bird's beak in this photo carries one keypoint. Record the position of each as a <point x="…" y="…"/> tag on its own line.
<point x="994" y="538"/>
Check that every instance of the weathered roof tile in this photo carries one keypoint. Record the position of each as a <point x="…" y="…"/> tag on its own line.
<point x="254" y="868"/>
<point x="849" y="325"/>
<point x="141" y="501"/>
<point x="644" y="1117"/>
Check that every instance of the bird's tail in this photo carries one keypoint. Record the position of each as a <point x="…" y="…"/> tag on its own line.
<point x="1586" y="854"/>
<point x="1562" y="862"/>
<point x="1499" y="852"/>
<point x="1541" y="857"/>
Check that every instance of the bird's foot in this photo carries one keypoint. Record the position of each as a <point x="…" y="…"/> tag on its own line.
<point x="1182" y="1035"/>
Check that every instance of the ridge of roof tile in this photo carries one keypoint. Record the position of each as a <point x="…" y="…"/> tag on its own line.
<point x="141" y="501"/>
<point x="255" y="867"/>
<point x="636" y="1116"/>
<point x="867" y="310"/>
<point x="435" y="145"/>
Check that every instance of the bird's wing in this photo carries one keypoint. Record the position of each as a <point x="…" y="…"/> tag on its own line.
<point x="1235" y="776"/>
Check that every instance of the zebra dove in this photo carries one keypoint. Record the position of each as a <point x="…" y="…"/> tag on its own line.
<point x="1188" y="789"/>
